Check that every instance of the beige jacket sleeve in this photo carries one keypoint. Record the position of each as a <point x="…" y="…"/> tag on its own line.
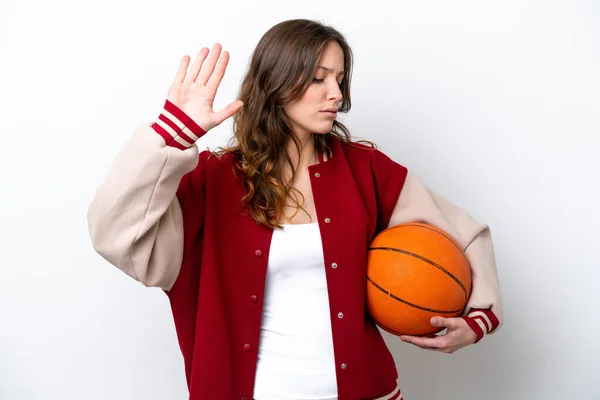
<point x="417" y="203"/>
<point x="135" y="219"/>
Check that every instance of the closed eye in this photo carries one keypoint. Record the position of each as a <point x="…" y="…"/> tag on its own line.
<point x="316" y="80"/>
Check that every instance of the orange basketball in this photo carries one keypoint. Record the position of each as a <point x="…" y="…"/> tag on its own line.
<point x="416" y="271"/>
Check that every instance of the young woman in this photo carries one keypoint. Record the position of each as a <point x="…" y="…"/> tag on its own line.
<point x="261" y="247"/>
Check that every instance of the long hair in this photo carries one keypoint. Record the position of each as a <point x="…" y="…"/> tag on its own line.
<point x="280" y="70"/>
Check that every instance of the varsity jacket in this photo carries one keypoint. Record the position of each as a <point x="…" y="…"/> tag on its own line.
<point x="170" y="216"/>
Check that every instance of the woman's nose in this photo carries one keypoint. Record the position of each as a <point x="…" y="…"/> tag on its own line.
<point x="335" y="93"/>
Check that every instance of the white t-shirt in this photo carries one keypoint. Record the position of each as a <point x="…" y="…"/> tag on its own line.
<point x="295" y="353"/>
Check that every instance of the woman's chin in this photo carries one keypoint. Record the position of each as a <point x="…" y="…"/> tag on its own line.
<point x="323" y="130"/>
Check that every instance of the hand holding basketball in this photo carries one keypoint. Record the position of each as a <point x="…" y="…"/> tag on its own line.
<point x="458" y="335"/>
<point x="415" y="272"/>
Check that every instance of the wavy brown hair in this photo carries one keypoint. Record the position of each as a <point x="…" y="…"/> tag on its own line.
<point x="280" y="70"/>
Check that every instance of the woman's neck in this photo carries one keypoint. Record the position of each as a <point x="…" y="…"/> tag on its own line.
<point x="308" y="154"/>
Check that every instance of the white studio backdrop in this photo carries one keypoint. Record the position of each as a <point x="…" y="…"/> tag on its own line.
<point x="495" y="104"/>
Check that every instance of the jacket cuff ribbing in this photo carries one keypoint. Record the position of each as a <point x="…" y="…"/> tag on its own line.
<point x="482" y="321"/>
<point x="176" y="127"/>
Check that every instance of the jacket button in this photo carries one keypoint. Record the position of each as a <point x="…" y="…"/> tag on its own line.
<point x="343" y="366"/>
<point x="253" y="298"/>
<point x="244" y="398"/>
<point x="247" y="347"/>
<point x="258" y="253"/>
<point x="317" y="174"/>
<point x="333" y="265"/>
<point x="340" y="315"/>
<point x="327" y="220"/>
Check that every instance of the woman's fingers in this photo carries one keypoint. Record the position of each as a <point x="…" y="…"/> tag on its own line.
<point x="197" y="66"/>
<point x="217" y="76"/>
<point x="183" y="65"/>
<point x="209" y="67"/>
<point x="424" y="342"/>
<point x="227" y="112"/>
<point x="194" y="90"/>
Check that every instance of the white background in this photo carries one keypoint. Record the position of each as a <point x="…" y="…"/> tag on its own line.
<point x="495" y="104"/>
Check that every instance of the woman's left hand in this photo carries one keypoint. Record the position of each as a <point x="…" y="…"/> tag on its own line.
<point x="458" y="335"/>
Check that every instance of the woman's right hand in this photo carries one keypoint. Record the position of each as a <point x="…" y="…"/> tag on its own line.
<point x="194" y="91"/>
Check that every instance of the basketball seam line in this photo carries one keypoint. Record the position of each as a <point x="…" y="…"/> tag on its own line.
<point x="433" y="229"/>
<point x="395" y="332"/>
<point x="464" y="289"/>
<point x="407" y="302"/>
<point x="441" y="232"/>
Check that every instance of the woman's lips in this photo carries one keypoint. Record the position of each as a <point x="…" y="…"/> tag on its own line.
<point x="330" y="114"/>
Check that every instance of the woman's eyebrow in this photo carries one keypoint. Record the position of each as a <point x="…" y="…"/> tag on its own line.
<point x="329" y="70"/>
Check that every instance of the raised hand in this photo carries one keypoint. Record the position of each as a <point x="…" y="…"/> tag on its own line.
<point x="194" y="90"/>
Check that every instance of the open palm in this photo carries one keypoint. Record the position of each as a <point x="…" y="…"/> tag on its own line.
<point x="194" y="90"/>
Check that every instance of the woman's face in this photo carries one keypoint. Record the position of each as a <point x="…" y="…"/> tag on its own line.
<point x="316" y="109"/>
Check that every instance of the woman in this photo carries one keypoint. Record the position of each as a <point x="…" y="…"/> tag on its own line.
<point x="261" y="247"/>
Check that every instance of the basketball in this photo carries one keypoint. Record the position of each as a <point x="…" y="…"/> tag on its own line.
<point x="415" y="271"/>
